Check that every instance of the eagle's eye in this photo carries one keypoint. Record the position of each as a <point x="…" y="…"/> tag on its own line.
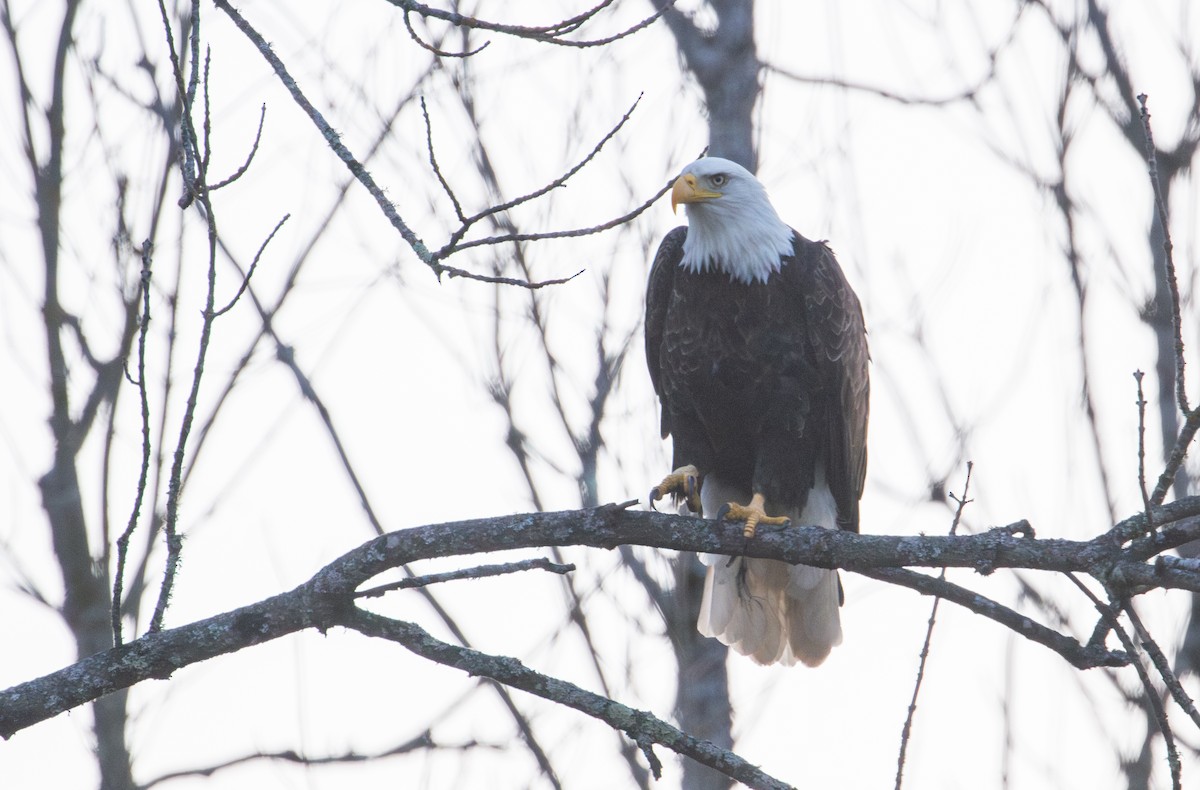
<point x="719" y="180"/>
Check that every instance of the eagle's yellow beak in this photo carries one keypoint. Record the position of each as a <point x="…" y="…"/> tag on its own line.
<point x="686" y="190"/>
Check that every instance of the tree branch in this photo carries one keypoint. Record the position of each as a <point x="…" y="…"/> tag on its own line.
<point x="641" y="726"/>
<point x="324" y="599"/>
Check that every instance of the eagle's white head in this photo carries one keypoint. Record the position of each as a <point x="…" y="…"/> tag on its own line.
<point x="732" y="225"/>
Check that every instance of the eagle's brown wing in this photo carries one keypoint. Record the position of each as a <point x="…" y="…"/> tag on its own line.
<point x="658" y="296"/>
<point x="838" y="340"/>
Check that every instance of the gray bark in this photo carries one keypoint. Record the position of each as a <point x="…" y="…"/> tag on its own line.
<point x="725" y="63"/>
<point x="1118" y="558"/>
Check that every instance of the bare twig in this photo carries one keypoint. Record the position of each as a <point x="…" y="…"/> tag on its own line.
<point x="643" y="727"/>
<point x="1077" y="655"/>
<point x="441" y="53"/>
<point x="1075" y="261"/>
<point x="437" y="170"/>
<point x="1141" y="406"/>
<point x="546" y="34"/>
<point x="253" y="265"/>
<point x="556" y="234"/>
<point x="1150" y="695"/>
<point x="286" y="355"/>
<point x="333" y="140"/>
<point x="906" y="731"/>
<point x="144" y="472"/>
<point x="965" y="95"/>
<point x="1163" y="216"/>
<point x="1187" y="432"/>
<point x="245" y="166"/>
<point x="209" y="315"/>
<point x="424" y="741"/>
<point x="453" y="244"/>
<point x="1170" y="680"/>
<point x="478" y="572"/>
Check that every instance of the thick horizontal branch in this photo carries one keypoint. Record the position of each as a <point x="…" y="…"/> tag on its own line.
<point x="610" y="526"/>
<point x="154" y="656"/>
<point x="325" y="599"/>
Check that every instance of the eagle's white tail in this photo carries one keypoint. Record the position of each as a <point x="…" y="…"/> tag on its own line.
<point x="767" y="609"/>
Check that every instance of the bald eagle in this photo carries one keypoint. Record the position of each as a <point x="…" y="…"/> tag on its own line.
<point x="757" y="349"/>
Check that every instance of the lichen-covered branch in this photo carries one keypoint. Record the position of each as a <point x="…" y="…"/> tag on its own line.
<point x="641" y="726"/>
<point x="326" y="598"/>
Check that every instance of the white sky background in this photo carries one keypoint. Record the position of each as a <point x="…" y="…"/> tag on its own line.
<point x="938" y="234"/>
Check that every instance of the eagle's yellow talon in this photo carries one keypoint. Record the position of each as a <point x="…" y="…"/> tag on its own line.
<point x="683" y="484"/>
<point x="752" y="514"/>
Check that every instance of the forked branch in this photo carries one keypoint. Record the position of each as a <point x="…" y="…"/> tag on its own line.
<point x="435" y="259"/>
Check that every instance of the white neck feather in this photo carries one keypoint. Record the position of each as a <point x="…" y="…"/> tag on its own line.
<point x="744" y="239"/>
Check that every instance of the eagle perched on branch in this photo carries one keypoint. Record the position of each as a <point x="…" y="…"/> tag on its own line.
<point x="757" y="349"/>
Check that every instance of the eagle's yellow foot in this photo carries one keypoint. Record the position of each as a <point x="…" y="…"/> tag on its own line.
<point x="753" y="514"/>
<point x="683" y="483"/>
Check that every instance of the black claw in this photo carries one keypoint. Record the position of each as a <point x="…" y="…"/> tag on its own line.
<point x="723" y="512"/>
<point x="653" y="497"/>
<point x="693" y="495"/>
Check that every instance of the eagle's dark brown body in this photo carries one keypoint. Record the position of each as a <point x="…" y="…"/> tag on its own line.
<point x="763" y="383"/>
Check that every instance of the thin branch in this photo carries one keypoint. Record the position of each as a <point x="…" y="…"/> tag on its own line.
<point x="1078" y="655"/>
<point x="1075" y="262"/>
<point x="1168" y="248"/>
<point x="1160" y="662"/>
<point x="437" y="170"/>
<point x="546" y="34"/>
<point x="1150" y="695"/>
<point x="245" y="166"/>
<point x="1141" y="453"/>
<point x="269" y="313"/>
<point x="333" y="140"/>
<point x="500" y="388"/>
<point x="553" y="234"/>
<point x="144" y="472"/>
<point x="286" y="355"/>
<point x="453" y="245"/>
<point x="453" y="272"/>
<point x="73" y="323"/>
<point x="27" y="100"/>
<point x="1187" y="432"/>
<point x="441" y="53"/>
<point x="253" y="266"/>
<point x="423" y="741"/>
<point x="478" y="572"/>
<point x="906" y="731"/>
<point x="643" y="727"/>
<point x="208" y="316"/>
<point x="965" y="95"/>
